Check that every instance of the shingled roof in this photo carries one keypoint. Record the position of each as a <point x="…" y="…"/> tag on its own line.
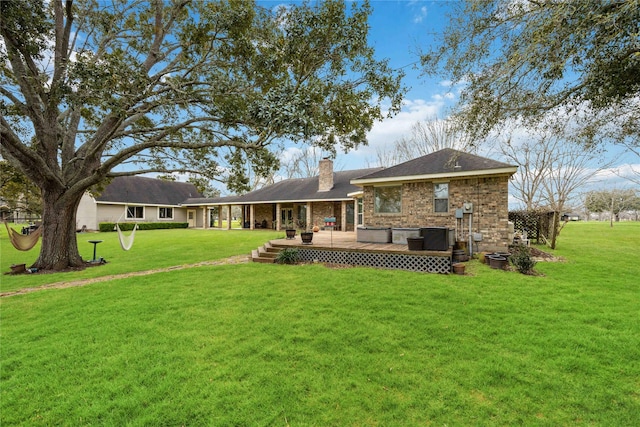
<point x="446" y="163"/>
<point x="294" y="190"/>
<point x="147" y="191"/>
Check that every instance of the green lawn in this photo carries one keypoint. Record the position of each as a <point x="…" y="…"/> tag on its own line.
<point x="151" y="249"/>
<point x="270" y="345"/>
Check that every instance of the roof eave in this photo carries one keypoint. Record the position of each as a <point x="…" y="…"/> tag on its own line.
<point x="437" y="176"/>
<point x="162" y="205"/>
<point x="262" y="202"/>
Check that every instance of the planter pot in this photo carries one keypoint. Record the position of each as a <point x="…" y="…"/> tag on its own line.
<point x="498" y="262"/>
<point x="462" y="246"/>
<point x="291" y="234"/>
<point x="415" y="243"/>
<point x="316" y="228"/>
<point x="18" y="268"/>
<point x="458" y="268"/>
<point x="306" y="237"/>
<point x="459" y="255"/>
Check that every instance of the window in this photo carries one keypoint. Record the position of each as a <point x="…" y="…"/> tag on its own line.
<point x="441" y="197"/>
<point x="360" y="214"/>
<point x="350" y="213"/>
<point x="165" y="213"/>
<point x="135" y="212"/>
<point x="388" y="199"/>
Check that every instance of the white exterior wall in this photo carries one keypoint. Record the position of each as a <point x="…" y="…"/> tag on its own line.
<point x="91" y="214"/>
<point x="111" y="213"/>
<point x="87" y="213"/>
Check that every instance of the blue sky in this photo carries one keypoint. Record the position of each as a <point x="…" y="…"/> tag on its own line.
<point x="398" y="29"/>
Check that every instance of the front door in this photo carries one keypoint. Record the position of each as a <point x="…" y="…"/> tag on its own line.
<point x="191" y="218"/>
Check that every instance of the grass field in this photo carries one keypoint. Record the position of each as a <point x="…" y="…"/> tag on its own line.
<point x="270" y="345"/>
<point x="151" y="249"/>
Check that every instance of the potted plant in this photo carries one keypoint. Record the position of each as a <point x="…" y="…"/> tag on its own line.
<point x="305" y="234"/>
<point x="458" y="268"/>
<point x="307" y="237"/>
<point x="291" y="232"/>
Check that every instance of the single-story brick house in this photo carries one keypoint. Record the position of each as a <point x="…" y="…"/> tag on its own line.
<point x="448" y="188"/>
<point x="137" y="199"/>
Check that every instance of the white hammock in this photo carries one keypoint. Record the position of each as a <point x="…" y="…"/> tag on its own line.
<point x="126" y="241"/>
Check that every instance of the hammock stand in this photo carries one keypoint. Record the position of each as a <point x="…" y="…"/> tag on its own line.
<point x="126" y="242"/>
<point x="23" y="242"/>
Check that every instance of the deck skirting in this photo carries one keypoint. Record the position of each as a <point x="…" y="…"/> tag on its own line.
<point x="431" y="263"/>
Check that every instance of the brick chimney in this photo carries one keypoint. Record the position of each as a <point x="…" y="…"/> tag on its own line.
<point x="325" y="183"/>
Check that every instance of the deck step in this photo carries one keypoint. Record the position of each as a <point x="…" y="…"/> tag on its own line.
<point x="255" y="257"/>
<point x="265" y="253"/>
<point x="269" y="248"/>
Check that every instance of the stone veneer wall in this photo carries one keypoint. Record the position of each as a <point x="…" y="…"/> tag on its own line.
<point x="264" y="212"/>
<point x="322" y="210"/>
<point x="319" y="211"/>
<point x="490" y="208"/>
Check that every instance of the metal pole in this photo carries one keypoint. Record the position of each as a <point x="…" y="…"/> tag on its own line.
<point x="470" y="235"/>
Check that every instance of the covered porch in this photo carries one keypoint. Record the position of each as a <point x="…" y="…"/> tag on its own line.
<point x="274" y="216"/>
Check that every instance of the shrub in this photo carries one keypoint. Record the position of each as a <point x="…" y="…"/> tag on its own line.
<point x="521" y="259"/>
<point x="288" y="256"/>
<point x="128" y="226"/>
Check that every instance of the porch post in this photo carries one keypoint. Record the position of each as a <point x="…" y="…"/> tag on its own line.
<point x="355" y="213"/>
<point x="228" y="217"/>
<point x="219" y="216"/>
<point x="343" y="215"/>
<point x="243" y="216"/>
<point x="205" y="217"/>
<point x="252" y="217"/>
<point x="278" y="215"/>
<point x="309" y="218"/>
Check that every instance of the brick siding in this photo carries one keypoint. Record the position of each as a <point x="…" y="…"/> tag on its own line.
<point x="490" y="209"/>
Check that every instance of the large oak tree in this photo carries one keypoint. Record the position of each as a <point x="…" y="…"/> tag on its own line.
<point x="545" y="62"/>
<point x="91" y="90"/>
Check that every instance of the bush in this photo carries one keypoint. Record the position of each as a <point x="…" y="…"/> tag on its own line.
<point x="521" y="259"/>
<point x="288" y="256"/>
<point x="127" y="226"/>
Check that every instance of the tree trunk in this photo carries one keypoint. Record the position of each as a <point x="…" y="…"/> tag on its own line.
<point x="554" y="229"/>
<point x="59" y="244"/>
<point x="611" y="214"/>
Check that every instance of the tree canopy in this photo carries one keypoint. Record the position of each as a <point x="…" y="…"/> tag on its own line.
<point x="18" y="192"/>
<point x="91" y="90"/>
<point x="535" y="61"/>
<point x="614" y="201"/>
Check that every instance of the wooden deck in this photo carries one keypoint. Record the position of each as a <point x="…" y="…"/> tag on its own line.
<point x="346" y="240"/>
<point x="342" y="248"/>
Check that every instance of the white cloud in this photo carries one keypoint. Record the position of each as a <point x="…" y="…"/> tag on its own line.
<point x="421" y="15"/>
<point x="389" y="130"/>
